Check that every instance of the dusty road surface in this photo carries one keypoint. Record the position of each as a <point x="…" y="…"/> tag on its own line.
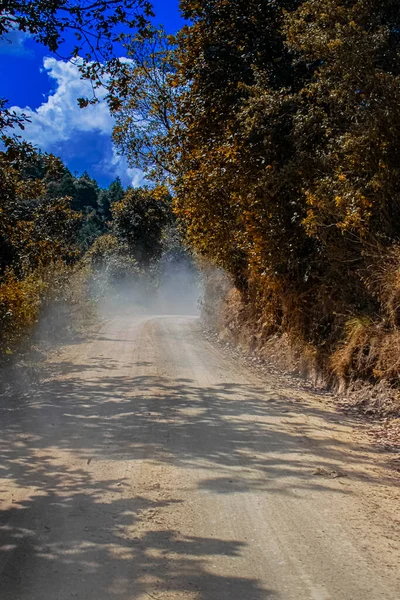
<point x="149" y="464"/>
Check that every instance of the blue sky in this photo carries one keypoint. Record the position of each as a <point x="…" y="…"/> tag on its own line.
<point x="46" y="88"/>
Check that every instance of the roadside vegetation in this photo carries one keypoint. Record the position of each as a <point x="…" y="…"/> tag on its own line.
<point x="64" y="241"/>
<point x="275" y="127"/>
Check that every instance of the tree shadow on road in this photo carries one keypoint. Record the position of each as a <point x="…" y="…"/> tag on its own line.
<point x="247" y="438"/>
<point x="94" y="409"/>
<point x="48" y="551"/>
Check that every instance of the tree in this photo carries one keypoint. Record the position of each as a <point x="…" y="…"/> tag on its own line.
<point x="10" y="119"/>
<point x="108" y="197"/>
<point x="110" y="263"/>
<point x="139" y="220"/>
<point x="355" y="182"/>
<point x="87" y="193"/>
<point x="144" y="104"/>
<point x="63" y="186"/>
<point x="232" y="52"/>
<point x="36" y="229"/>
<point x="287" y="163"/>
<point x="38" y="240"/>
<point x="92" y="227"/>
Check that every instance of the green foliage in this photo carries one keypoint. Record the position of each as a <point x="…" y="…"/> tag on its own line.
<point x="92" y="227"/>
<point x="93" y="203"/>
<point x="35" y="229"/>
<point x="19" y="309"/>
<point x="139" y="220"/>
<point x="234" y="124"/>
<point x="86" y="192"/>
<point x="56" y="243"/>
<point x="42" y="239"/>
<point x="55" y="294"/>
<point x="276" y="125"/>
<point x="108" y="197"/>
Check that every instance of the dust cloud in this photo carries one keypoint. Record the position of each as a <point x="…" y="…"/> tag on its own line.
<point x="174" y="288"/>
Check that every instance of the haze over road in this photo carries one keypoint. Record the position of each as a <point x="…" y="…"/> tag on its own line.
<point x="150" y="464"/>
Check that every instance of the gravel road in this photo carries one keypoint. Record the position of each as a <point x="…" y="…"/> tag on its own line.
<point x="149" y="463"/>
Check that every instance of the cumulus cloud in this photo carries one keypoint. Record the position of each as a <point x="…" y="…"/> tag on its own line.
<point x="60" y="118"/>
<point x="61" y="127"/>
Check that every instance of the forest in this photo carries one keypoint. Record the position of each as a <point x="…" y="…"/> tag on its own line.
<point x="269" y="133"/>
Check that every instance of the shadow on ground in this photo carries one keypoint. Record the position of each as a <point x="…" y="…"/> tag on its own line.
<point x="96" y="411"/>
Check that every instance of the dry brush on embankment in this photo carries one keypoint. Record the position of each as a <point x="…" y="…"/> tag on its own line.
<point x="225" y="312"/>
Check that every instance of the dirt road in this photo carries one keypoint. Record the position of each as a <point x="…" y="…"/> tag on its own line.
<point x="149" y="464"/>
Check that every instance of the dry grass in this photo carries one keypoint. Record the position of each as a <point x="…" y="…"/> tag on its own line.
<point x="366" y="360"/>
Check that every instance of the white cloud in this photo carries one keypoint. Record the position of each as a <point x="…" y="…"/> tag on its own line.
<point x="60" y="118"/>
<point x="61" y="127"/>
<point x="129" y="176"/>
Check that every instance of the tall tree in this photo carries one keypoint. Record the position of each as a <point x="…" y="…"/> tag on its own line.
<point x="144" y="104"/>
<point x="232" y="52"/>
<point x="36" y="228"/>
